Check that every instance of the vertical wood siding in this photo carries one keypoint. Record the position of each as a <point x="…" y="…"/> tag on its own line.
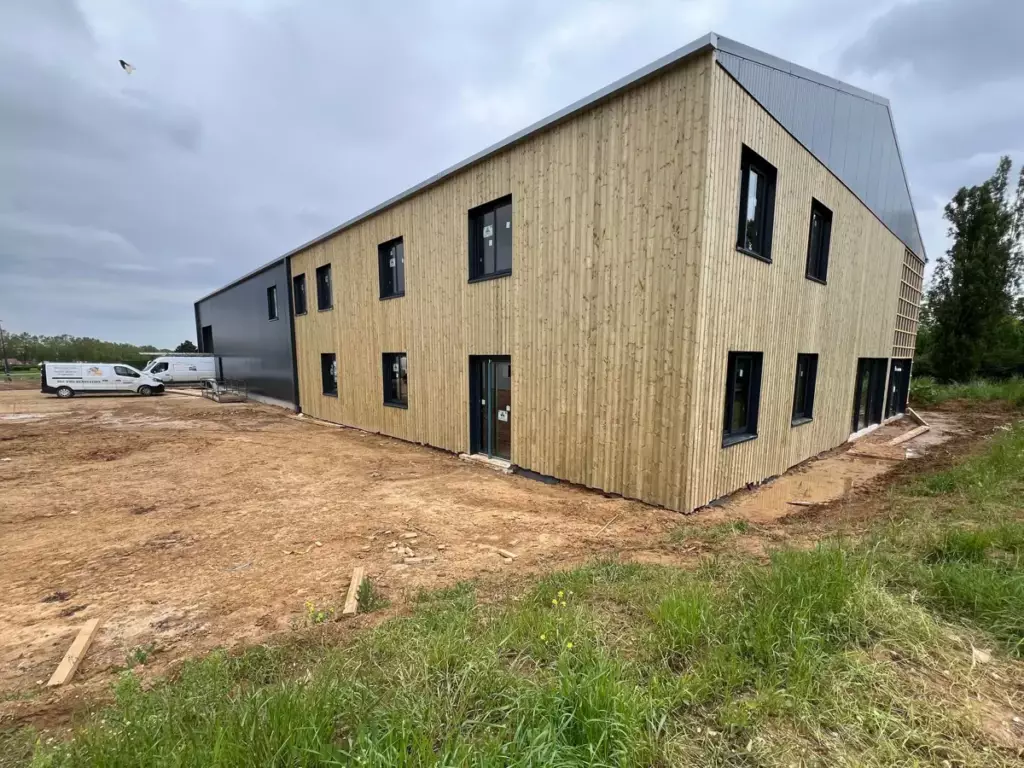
<point x="598" y="314"/>
<point x="745" y="304"/>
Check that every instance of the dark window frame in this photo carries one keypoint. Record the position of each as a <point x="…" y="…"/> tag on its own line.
<point x="753" y="402"/>
<point x="382" y="270"/>
<point x="301" y="306"/>
<point x="325" y="373"/>
<point x="808" y="360"/>
<point x="749" y="159"/>
<point x="272" y="310"/>
<point x="324" y="269"/>
<point x="477" y="272"/>
<point x="388" y="359"/>
<point x="818" y="252"/>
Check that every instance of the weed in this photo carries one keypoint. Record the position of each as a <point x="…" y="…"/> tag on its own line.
<point x="319" y="614"/>
<point x="139" y="655"/>
<point x="369" y="597"/>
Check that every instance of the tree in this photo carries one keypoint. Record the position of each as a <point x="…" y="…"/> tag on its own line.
<point x="977" y="282"/>
<point x="186" y="346"/>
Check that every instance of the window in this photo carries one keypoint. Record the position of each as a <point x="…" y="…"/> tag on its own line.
<point x="324" y="297"/>
<point x="391" y="260"/>
<point x="490" y="240"/>
<point x="803" y="393"/>
<point x="158" y="368"/>
<point x="272" y="302"/>
<point x="396" y="379"/>
<point x="742" y="397"/>
<point x="329" y="373"/>
<point x="757" y="205"/>
<point x="299" y="294"/>
<point x="818" y="241"/>
<point x="122" y="370"/>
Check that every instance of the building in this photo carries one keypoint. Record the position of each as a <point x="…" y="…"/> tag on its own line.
<point x="693" y="279"/>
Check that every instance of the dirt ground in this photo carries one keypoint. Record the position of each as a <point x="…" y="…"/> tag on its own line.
<point x="185" y="525"/>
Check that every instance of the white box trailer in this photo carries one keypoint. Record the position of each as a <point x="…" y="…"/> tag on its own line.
<point x="70" y="379"/>
<point x="175" y="369"/>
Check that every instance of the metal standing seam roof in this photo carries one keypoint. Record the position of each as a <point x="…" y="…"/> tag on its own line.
<point x="848" y="129"/>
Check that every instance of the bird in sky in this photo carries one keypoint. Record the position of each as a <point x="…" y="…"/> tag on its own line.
<point x="126" y="66"/>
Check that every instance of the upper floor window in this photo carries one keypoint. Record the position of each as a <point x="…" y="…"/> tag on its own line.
<point x="818" y="242"/>
<point x="490" y="239"/>
<point x="391" y="262"/>
<point x="803" y="392"/>
<point x="742" y="397"/>
<point x="757" y="205"/>
<point x="299" y="293"/>
<point x="324" y="294"/>
<point x="272" y="302"/>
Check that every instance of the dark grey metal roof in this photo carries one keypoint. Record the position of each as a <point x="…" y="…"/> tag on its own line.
<point x="849" y="130"/>
<point x="767" y="78"/>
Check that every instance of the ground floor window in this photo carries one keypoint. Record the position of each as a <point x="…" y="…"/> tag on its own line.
<point x="329" y="373"/>
<point x="869" y="392"/>
<point x="803" y="393"/>
<point x="742" y="397"/>
<point x="396" y="379"/>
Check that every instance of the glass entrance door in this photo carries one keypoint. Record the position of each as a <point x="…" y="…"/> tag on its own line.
<point x="869" y="393"/>
<point x="490" y="406"/>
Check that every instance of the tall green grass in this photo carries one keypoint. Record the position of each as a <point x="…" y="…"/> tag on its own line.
<point x="926" y="391"/>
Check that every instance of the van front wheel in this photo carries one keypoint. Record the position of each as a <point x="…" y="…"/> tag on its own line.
<point x="145" y="390"/>
<point x="65" y="392"/>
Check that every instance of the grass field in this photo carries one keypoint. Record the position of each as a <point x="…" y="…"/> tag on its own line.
<point x="900" y="649"/>
<point x="926" y="392"/>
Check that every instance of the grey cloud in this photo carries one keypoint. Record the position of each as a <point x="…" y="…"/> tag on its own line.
<point x="956" y="42"/>
<point x="249" y="127"/>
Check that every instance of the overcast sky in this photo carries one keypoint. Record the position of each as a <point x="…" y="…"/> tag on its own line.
<point x="251" y="126"/>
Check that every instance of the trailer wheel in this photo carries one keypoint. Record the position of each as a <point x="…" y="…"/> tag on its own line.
<point x="145" y="390"/>
<point x="65" y="392"/>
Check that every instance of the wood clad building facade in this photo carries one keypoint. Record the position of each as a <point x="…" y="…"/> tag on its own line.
<point x="604" y="356"/>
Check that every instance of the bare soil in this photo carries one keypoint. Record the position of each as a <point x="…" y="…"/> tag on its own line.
<point x="187" y="525"/>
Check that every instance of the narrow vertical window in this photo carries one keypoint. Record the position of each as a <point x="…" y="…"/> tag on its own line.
<point x="324" y="292"/>
<point x="299" y="294"/>
<point x="742" y="397"/>
<point x="391" y="263"/>
<point x="818" y="241"/>
<point x="757" y="205"/>
<point x="803" y="390"/>
<point x="395" y="368"/>
<point x="329" y="373"/>
<point x="490" y="239"/>
<point x="272" y="302"/>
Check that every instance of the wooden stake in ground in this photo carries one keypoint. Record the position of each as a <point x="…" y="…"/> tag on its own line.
<point x="69" y="664"/>
<point x="352" y="600"/>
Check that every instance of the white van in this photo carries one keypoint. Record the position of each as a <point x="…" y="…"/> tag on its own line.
<point x="70" y="379"/>
<point x="171" y="369"/>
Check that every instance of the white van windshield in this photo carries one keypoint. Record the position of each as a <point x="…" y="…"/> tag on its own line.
<point x="149" y="365"/>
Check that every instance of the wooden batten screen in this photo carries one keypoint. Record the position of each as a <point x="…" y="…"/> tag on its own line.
<point x="909" y="308"/>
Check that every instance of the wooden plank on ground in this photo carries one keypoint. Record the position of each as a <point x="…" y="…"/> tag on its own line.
<point x="909" y="435"/>
<point x="69" y="664"/>
<point x="352" y="600"/>
<point x="914" y="415"/>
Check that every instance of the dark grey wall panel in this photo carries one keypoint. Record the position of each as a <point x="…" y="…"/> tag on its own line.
<point x="251" y="346"/>
<point x="850" y="131"/>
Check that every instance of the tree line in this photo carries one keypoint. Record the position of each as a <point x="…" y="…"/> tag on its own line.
<point x="972" y="316"/>
<point x="33" y="349"/>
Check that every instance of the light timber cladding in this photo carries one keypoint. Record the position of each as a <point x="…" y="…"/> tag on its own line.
<point x="626" y="296"/>
<point x="909" y="307"/>
<point x="748" y="305"/>
<point x="597" y="315"/>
